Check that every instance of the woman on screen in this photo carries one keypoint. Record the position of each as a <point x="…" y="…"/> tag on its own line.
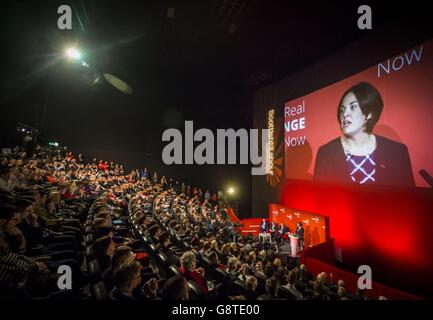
<point x="358" y="155"/>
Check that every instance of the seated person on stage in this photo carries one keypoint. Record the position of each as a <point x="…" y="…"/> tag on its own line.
<point x="264" y="226"/>
<point x="273" y="230"/>
<point x="282" y="230"/>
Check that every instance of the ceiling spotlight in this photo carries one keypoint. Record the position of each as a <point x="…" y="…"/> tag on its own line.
<point x="73" y="53"/>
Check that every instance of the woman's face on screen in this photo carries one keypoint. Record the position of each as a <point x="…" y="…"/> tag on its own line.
<point x="352" y="120"/>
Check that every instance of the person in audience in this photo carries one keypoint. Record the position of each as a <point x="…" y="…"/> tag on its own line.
<point x="188" y="270"/>
<point x="321" y="292"/>
<point x="215" y="263"/>
<point x="206" y="250"/>
<point x="104" y="249"/>
<point x="342" y="293"/>
<point x="271" y="290"/>
<point x="258" y="269"/>
<point x="291" y="286"/>
<point x="164" y="247"/>
<point x="121" y="254"/>
<point x="244" y="271"/>
<point x="175" y="288"/>
<point x="232" y="267"/>
<point x="65" y="194"/>
<point x="150" y="290"/>
<point x="251" y="285"/>
<point x="304" y="277"/>
<point x="155" y="232"/>
<point x="126" y="278"/>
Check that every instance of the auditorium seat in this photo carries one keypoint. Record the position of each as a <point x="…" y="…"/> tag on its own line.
<point x="100" y="291"/>
<point x="84" y="264"/>
<point x="162" y="262"/>
<point x="90" y="254"/>
<point x="284" y="293"/>
<point x="88" y="230"/>
<point x="151" y="249"/>
<point x="203" y="260"/>
<point x="172" y="271"/>
<point x="195" y="293"/>
<point x="146" y="240"/>
<point x="95" y="272"/>
<point x="222" y="276"/>
<point x="239" y="288"/>
<point x="176" y="241"/>
<point x="86" y="292"/>
<point x="261" y="284"/>
<point x="186" y="246"/>
<point x="207" y="266"/>
<point x="89" y="239"/>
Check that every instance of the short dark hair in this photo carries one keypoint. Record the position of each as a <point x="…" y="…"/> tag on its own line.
<point x="272" y="286"/>
<point x="370" y="101"/>
<point x="153" y="230"/>
<point x="164" y="237"/>
<point x="101" y="245"/>
<point x="174" y="288"/>
<point x="119" y="256"/>
<point x="213" y="255"/>
<point x="124" y="275"/>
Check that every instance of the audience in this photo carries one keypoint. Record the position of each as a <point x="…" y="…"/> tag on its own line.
<point x="55" y="209"/>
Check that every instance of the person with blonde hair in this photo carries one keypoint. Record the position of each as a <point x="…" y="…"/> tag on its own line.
<point x="251" y="284"/>
<point x="277" y="263"/>
<point x="232" y="266"/>
<point x="188" y="262"/>
<point x="214" y="246"/>
<point x="342" y="293"/>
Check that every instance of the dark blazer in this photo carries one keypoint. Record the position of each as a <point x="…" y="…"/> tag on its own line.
<point x="282" y="231"/>
<point x="264" y="228"/>
<point x="392" y="159"/>
<point x="300" y="232"/>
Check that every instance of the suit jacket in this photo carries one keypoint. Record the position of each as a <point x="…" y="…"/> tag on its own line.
<point x="393" y="166"/>
<point x="300" y="232"/>
<point x="273" y="228"/>
<point x="263" y="228"/>
<point x="282" y="231"/>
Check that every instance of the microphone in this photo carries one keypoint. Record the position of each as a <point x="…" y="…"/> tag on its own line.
<point x="427" y="177"/>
